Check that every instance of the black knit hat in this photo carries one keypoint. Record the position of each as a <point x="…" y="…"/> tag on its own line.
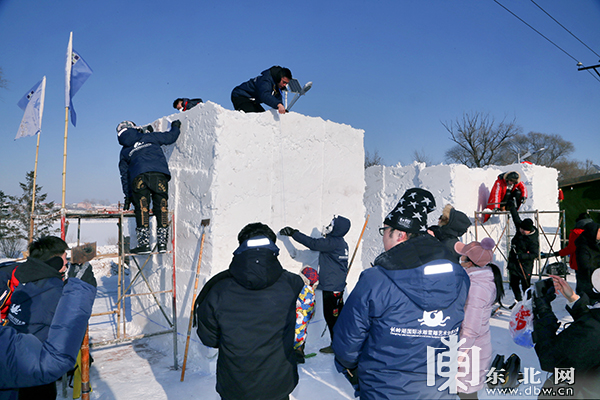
<point x="410" y="214"/>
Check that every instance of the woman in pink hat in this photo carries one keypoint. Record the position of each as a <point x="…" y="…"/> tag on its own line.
<point x="486" y="290"/>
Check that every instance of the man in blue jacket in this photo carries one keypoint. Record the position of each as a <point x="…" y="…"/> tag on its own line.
<point x="266" y="88"/>
<point x="29" y="361"/>
<point x="333" y="266"/>
<point x="145" y="176"/>
<point x="403" y="312"/>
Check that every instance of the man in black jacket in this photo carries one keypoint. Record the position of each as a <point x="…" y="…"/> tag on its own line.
<point x="184" y="104"/>
<point x="248" y="312"/>
<point x="524" y="249"/>
<point x="145" y="176"/>
<point x="572" y="355"/>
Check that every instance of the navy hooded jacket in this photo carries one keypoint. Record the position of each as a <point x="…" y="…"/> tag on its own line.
<point x="142" y="152"/>
<point x="263" y="88"/>
<point x="248" y="312"/>
<point x="410" y="300"/>
<point x="27" y="361"/>
<point x="333" y="255"/>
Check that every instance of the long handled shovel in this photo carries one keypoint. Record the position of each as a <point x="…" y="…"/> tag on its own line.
<point x="204" y="223"/>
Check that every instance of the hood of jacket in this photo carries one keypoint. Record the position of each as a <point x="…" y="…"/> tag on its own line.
<point x="421" y="268"/>
<point x="582" y="223"/>
<point x="341" y="226"/>
<point x="457" y="225"/>
<point x="34" y="270"/>
<point x="129" y="136"/>
<point x="256" y="268"/>
<point x="588" y="236"/>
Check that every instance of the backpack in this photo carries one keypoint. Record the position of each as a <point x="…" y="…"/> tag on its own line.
<point x="8" y="284"/>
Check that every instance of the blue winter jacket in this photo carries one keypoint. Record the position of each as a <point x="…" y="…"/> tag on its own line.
<point x="27" y="361"/>
<point x="333" y="255"/>
<point x="263" y="88"/>
<point x="141" y="153"/>
<point x="411" y="299"/>
<point x="34" y="300"/>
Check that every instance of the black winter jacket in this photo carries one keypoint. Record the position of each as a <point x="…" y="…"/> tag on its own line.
<point x="248" y="313"/>
<point x="524" y="248"/>
<point x="587" y="253"/>
<point x="142" y="152"/>
<point x="577" y="346"/>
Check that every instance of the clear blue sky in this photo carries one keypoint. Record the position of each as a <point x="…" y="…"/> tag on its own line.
<point x="396" y="69"/>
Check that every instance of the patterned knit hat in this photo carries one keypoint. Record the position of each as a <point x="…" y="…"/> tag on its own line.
<point x="311" y="274"/>
<point x="410" y="214"/>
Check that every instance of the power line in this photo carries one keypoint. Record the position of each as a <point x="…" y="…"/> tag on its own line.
<point x="580" y="41"/>
<point x="539" y="33"/>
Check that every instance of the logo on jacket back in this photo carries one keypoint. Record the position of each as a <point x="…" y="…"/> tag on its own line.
<point x="433" y="318"/>
<point x="15" y="309"/>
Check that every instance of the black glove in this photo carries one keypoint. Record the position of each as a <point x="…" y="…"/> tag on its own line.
<point x="176" y="124"/>
<point x="352" y="376"/>
<point x="84" y="272"/>
<point x="127" y="203"/>
<point x="288" y="231"/>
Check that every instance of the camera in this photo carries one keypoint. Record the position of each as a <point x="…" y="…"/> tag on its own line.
<point x="544" y="287"/>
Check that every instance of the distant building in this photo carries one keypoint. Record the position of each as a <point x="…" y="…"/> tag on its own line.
<point x="580" y="195"/>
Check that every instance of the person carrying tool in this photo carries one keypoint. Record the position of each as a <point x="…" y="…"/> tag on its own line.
<point x="145" y="176"/>
<point x="333" y="266"/>
<point x="266" y="88"/>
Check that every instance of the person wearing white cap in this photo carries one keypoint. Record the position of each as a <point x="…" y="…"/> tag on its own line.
<point x="486" y="290"/>
<point x="575" y="349"/>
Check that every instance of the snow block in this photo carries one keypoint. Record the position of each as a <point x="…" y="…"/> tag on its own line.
<point x="236" y="168"/>
<point x="468" y="190"/>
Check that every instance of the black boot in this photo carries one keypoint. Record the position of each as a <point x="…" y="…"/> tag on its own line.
<point x="162" y="237"/>
<point x="143" y="239"/>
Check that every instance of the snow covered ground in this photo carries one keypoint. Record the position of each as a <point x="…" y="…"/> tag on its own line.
<point x="144" y="370"/>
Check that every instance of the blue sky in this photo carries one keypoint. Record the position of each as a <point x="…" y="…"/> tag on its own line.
<point x="396" y="69"/>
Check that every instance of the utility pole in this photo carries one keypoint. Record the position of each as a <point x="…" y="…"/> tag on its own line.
<point x="582" y="68"/>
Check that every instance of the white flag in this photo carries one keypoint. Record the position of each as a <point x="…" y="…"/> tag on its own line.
<point x="33" y="104"/>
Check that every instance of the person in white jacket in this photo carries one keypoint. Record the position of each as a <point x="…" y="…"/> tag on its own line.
<point x="486" y="290"/>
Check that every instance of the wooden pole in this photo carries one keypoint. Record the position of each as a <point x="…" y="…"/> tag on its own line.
<point x="37" y="150"/>
<point x="357" y="244"/>
<point x="63" y="209"/>
<point x="204" y="223"/>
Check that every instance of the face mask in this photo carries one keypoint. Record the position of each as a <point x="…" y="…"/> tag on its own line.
<point x="329" y="228"/>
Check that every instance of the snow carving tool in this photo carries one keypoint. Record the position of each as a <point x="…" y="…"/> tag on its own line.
<point x="204" y="224"/>
<point x="295" y="88"/>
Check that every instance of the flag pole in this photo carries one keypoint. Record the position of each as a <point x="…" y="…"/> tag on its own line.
<point x="68" y="65"/>
<point x="37" y="151"/>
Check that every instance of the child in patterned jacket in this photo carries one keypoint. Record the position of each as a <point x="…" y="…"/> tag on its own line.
<point x="305" y="308"/>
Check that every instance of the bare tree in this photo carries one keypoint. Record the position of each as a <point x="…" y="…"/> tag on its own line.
<point x="545" y="149"/>
<point x="479" y="140"/>
<point x="372" y="159"/>
<point x="422" y="157"/>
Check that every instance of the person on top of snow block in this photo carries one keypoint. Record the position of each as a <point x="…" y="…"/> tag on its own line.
<point x="184" y="104"/>
<point x="248" y="312"/>
<point x="145" y="176"/>
<point x="452" y="224"/>
<point x="266" y="88"/>
<point x="507" y="186"/>
<point x="405" y="312"/>
<point x="305" y="309"/>
<point x="29" y="360"/>
<point x="333" y="266"/>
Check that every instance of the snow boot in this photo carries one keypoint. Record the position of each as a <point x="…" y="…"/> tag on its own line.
<point x="143" y="239"/>
<point x="162" y="237"/>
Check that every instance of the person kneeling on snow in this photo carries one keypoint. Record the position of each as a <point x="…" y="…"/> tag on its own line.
<point x="333" y="266"/>
<point x="145" y="176"/>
